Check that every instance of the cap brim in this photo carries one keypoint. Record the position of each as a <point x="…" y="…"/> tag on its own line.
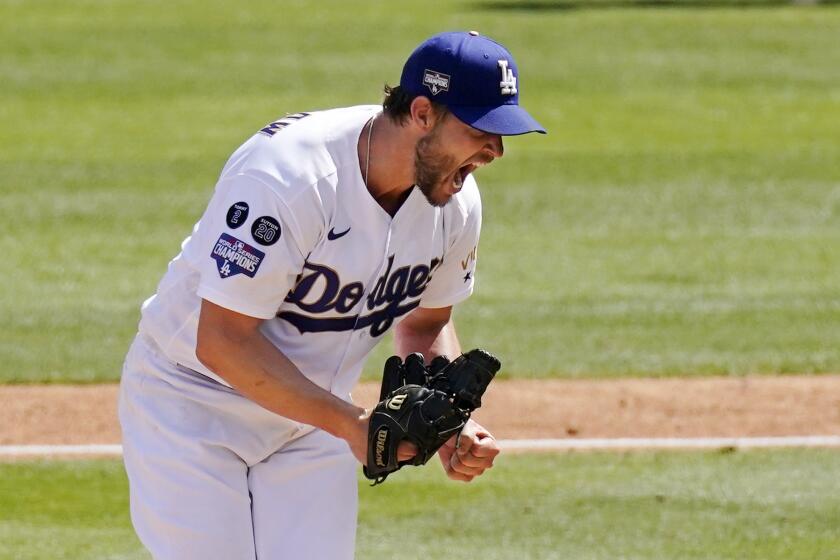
<point x="507" y="120"/>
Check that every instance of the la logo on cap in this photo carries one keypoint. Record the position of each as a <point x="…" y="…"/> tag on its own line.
<point x="508" y="83"/>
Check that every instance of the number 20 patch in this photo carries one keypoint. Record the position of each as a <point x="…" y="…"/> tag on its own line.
<point x="234" y="257"/>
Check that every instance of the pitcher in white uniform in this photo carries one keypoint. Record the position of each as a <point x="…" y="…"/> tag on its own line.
<point x="326" y="229"/>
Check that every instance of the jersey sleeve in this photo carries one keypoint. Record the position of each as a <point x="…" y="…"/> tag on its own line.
<point x="454" y="279"/>
<point x="251" y="244"/>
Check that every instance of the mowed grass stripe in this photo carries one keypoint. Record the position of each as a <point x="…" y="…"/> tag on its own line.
<point x="682" y="216"/>
<point x="744" y="505"/>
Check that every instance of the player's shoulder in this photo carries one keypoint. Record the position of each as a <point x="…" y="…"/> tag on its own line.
<point x="300" y="151"/>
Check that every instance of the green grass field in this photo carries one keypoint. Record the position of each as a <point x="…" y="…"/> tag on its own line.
<point x="755" y="505"/>
<point x="682" y="216"/>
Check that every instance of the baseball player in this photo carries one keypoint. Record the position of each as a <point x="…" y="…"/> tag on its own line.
<point x="326" y="229"/>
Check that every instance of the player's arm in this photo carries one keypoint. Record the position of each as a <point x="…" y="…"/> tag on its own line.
<point x="232" y="346"/>
<point x="431" y="332"/>
<point x="428" y="331"/>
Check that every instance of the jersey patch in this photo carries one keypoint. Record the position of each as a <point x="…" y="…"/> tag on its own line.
<point x="237" y="214"/>
<point x="234" y="257"/>
<point x="266" y="230"/>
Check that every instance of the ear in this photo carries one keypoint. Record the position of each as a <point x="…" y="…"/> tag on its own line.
<point x="423" y="115"/>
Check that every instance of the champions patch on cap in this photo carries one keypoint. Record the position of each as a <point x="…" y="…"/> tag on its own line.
<point x="234" y="257"/>
<point x="435" y="81"/>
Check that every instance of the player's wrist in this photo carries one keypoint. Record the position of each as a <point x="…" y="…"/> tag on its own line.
<point x="351" y="424"/>
<point x="354" y="430"/>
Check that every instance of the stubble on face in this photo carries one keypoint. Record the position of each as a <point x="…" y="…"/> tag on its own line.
<point x="431" y="166"/>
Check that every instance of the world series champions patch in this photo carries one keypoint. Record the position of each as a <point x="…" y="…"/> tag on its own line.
<point x="234" y="257"/>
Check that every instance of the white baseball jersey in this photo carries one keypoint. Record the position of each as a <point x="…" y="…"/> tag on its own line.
<point x="292" y="235"/>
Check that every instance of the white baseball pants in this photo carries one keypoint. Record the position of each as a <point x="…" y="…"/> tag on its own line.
<point x="213" y="475"/>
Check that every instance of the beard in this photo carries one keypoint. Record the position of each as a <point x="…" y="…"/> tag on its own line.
<point x="431" y="166"/>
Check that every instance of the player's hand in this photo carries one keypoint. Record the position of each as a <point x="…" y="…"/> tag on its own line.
<point x="475" y="454"/>
<point x="406" y="450"/>
<point x="358" y="441"/>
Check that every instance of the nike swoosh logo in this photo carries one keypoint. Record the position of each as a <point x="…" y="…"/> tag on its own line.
<point x="332" y="235"/>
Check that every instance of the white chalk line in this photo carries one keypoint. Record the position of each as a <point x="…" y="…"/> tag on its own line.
<point x="52" y="450"/>
<point x="668" y="443"/>
<point x="507" y="445"/>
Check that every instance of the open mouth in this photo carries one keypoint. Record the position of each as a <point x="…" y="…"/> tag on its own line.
<point x="464" y="171"/>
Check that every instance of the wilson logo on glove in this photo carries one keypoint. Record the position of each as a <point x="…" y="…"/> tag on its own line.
<point x="396" y="402"/>
<point x="381" y="444"/>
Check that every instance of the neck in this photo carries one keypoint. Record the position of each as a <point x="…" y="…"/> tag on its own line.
<point x="390" y="169"/>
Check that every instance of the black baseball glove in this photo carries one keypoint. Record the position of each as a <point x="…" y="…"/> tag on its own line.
<point x="424" y="405"/>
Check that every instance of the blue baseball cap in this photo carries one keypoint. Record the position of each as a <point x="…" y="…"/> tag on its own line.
<point x="475" y="77"/>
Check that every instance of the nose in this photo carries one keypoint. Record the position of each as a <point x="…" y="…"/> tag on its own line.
<point x="495" y="146"/>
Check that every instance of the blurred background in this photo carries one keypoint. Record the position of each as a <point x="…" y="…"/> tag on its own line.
<point x="681" y="217"/>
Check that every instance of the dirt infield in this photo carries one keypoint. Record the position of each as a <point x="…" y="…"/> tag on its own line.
<point x="709" y="407"/>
